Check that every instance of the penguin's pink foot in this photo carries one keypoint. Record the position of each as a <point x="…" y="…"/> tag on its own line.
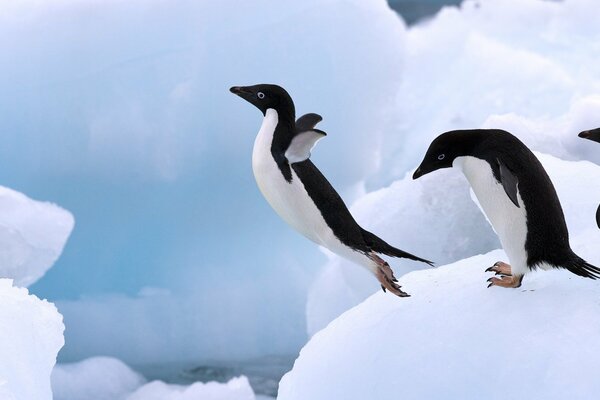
<point x="386" y="277"/>
<point x="500" y="268"/>
<point x="512" y="281"/>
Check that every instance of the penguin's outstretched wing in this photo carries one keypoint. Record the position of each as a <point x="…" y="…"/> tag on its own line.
<point x="305" y="138"/>
<point x="307" y="122"/>
<point x="380" y="246"/>
<point x="509" y="182"/>
<point x="598" y="217"/>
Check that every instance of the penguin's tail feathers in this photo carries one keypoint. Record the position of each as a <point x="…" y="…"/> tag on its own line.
<point x="378" y="245"/>
<point x="580" y="267"/>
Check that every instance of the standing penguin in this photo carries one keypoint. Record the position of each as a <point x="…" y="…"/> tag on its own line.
<point x="300" y="194"/>
<point x="518" y="198"/>
<point x="594" y="135"/>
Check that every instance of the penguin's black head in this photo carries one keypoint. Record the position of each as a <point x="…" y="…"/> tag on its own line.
<point x="445" y="149"/>
<point x="266" y="96"/>
<point x="593" y="134"/>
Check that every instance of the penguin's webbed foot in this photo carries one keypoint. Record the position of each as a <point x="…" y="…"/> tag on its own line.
<point x="386" y="277"/>
<point x="506" y="281"/>
<point x="500" y="268"/>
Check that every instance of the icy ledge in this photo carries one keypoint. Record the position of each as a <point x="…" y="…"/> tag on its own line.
<point x="456" y="339"/>
<point x="31" y="334"/>
<point x="32" y="236"/>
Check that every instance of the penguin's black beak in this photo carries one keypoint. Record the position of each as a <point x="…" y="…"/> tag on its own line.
<point x="240" y="90"/>
<point x="593" y="134"/>
<point x="418" y="173"/>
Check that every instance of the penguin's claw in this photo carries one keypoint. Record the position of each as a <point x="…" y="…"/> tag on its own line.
<point x="500" y="268"/>
<point x="386" y="277"/>
<point x="506" y="281"/>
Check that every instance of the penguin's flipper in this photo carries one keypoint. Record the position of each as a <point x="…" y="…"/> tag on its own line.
<point x="598" y="217"/>
<point x="302" y="144"/>
<point x="509" y="182"/>
<point x="307" y="122"/>
<point x="378" y="245"/>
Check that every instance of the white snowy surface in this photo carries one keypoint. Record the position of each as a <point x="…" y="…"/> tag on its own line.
<point x="31" y="334"/>
<point x="95" y="378"/>
<point x="32" y="236"/>
<point x="235" y="389"/>
<point x="456" y="339"/>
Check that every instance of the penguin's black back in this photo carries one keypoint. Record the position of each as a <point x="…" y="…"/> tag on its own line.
<point x="338" y="217"/>
<point x="547" y="234"/>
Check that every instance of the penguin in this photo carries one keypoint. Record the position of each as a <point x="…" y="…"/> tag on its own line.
<point x="298" y="191"/>
<point x="518" y="198"/>
<point x="594" y="135"/>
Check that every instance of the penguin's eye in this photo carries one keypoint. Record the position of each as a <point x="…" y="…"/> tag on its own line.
<point x="441" y="157"/>
<point x="260" y="95"/>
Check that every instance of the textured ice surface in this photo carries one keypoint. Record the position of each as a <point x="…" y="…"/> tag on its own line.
<point x="31" y="334"/>
<point x="235" y="389"/>
<point x="32" y="236"/>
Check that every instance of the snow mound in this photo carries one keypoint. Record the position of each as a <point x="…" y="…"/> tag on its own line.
<point x="96" y="378"/>
<point x="235" y="389"/>
<point x="31" y="334"/>
<point x="32" y="236"/>
<point x="457" y="339"/>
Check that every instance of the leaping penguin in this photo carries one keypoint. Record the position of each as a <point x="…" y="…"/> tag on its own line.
<point x="300" y="194"/>
<point x="594" y="135"/>
<point x="518" y="197"/>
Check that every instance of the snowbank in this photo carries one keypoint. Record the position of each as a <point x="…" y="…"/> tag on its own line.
<point x="437" y="218"/>
<point x="456" y="339"/>
<point x="96" y="378"/>
<point x="32" y="236"/>
<point x="31" y="334"/>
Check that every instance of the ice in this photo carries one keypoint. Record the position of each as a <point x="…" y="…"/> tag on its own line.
<point x="31" y="334"/>
<point x="235" y="389"/>
<point x="32" y="236"/>
<point x="96" y="378"/>
<point x="535" y="61"/>
<point x="105" y="378"/>
<point x="120" y="111"/>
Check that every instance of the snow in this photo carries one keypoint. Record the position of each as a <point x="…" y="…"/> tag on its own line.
<point x="31" y="334"/>
<point x="32" y="236"/>
<point x="95" y="378"/>
<point x="454" y="338"/>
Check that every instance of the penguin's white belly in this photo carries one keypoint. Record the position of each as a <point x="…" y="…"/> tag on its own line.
<point x="508" y="220"/>
<point x="290" y="200"/>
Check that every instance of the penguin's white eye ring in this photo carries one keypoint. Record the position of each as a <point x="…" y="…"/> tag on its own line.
<point x="441" y="157"/>
<point x="260" y="95"/>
